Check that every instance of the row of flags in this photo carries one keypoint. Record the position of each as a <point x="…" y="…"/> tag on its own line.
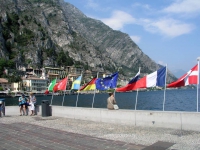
<point x="106" y="83"/>
<point x="60" y="86"/>
<point x="157" y="78"/>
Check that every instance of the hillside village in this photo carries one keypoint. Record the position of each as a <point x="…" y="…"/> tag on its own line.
<point x="37" y="80"/>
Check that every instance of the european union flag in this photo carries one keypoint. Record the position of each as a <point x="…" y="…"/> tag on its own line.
<point x="108" y="82"/>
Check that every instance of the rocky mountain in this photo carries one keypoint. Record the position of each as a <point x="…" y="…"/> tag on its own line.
<point x="54" y="33"/>
<point x="178" y="73"/>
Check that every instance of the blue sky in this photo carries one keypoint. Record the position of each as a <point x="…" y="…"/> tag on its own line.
<point x="167" y="31"/>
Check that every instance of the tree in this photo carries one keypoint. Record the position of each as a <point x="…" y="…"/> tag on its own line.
<point x="14" y="77"/>
<point x="1" y="88"/>
<point x="3" y="64"/>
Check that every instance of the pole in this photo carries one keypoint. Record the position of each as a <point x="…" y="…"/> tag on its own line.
<point x="52" y="97"/>
<point x="53" y="93"/>
<point x="65" y="91"/>
<point x="136" y="99"/>
<point x="181" y="123"/>
<point x="78" y="92"/>
<point x="77" y="99"/>
<point x="165" y="89"/>
<point x="114" y="92"/>
<point x="136" y="105"/>
<point x="94" y="92"/>
<point x="63" y="98"/>
<point x="198" y="59"/>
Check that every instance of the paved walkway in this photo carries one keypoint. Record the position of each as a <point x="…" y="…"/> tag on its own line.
<point x="55" y="133"/>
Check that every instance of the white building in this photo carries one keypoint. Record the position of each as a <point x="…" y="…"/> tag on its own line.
<point x="34" y="84"/>
<point x="5" y="84"/>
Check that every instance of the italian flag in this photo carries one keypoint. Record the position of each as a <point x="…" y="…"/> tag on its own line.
<point x="51" y="85"/>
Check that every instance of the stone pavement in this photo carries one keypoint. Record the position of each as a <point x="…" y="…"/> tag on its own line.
<point x="55" y="133"/>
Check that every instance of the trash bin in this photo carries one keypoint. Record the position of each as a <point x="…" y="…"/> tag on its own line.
<point x="2" y="107"/>
<point x="45" y="108"/>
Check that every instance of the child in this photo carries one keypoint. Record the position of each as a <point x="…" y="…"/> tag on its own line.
<point x="32" y="102"/>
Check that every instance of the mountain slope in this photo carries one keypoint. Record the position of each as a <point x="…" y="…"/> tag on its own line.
<point x="54" y="33"/>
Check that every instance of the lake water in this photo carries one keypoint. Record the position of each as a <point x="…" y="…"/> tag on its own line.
<point x="175" y="100"/>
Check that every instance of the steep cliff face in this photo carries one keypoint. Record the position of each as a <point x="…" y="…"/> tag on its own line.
<point x="54" y="33"/>
<point x="114" y="45"/>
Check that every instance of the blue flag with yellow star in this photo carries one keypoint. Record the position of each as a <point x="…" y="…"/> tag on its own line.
<point x="109" y="82"/>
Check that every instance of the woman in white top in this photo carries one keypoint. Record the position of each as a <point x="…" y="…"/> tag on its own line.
<point x="32" y="102"/>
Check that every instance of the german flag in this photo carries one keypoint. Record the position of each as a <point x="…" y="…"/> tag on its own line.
<point x="89" y="86"/>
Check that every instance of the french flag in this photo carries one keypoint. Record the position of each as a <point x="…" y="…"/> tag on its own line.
<point x="191" y="77"/>
<point x="154" y="79"/>
<point x="130" y="85"/>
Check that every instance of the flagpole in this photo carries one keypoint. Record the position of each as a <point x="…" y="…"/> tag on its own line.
<point x="63" y="98"/>
<point x="65" y="91"/>
<point x="136" y="94"/>
<point x="114" y="93"/>
<point x="94" y="91"/>
<point x="136" y="99"/>
<point x="78" y="92"/>
<point x="53" y="94"/>
<point x="198" y="59"/>
<point x="165" y="89"/>
<point x="52" y="97"/>
<point x="77" y="99"/>
<point x="136" y="105"/>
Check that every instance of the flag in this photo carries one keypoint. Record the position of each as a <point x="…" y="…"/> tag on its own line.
<point x="156" y="78"/>
<point x="130" y="85"/>
<point x="61" y="85"/>
<point x="108" y="82"/>
<point x="76" y="83"/>
<point x="51" y="85"/>
<point x="46" y="92"/>
<point x="89" y="86"/>
<point x="191" y="77"/>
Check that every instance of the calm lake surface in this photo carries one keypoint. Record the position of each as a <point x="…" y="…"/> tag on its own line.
<point x="175" y="100"/>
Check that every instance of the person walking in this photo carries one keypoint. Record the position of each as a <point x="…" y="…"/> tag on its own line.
<point x="32" y="103"/>
<point x="22" y="104"/>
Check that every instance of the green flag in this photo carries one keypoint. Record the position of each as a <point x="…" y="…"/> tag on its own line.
<point x="51" y="85"/>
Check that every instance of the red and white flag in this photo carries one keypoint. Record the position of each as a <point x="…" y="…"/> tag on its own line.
<point x="191" y="77"/>
<point x="61" y="85"/>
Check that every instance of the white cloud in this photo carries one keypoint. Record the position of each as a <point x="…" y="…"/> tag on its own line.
<point x="168" y="27"/>
<point x="165" y="26"/>
<point x="118" y="20"/>
<point x="143" y="6"/>
<point x="136" y="39"/>
<point x="92" y="4"/>
<point x="184" y="6"/>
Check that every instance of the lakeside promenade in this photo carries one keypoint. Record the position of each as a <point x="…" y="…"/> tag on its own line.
<point x="36" y="132"/>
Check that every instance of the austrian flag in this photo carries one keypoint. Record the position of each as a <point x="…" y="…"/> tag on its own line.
<point x="191" y="77"/>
